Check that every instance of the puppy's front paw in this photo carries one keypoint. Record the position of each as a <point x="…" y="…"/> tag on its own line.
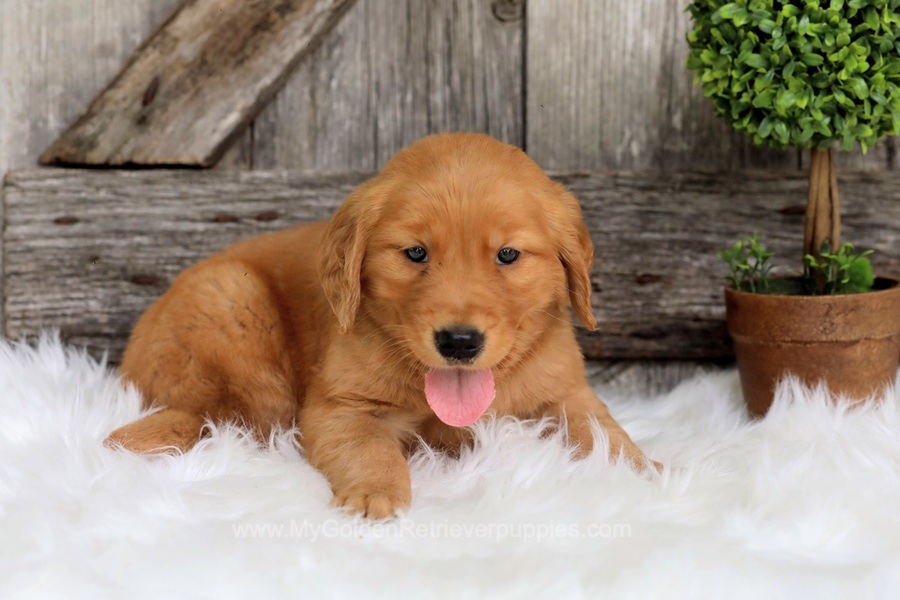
<point x="372" y="504"/>
<point x="641" y="463"/>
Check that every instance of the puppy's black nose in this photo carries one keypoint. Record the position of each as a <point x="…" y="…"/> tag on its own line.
<point x="459" y="343"/>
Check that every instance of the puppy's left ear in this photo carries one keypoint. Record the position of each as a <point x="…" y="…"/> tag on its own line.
<point x="576" y="251"/>
<point x="343" y="248"/>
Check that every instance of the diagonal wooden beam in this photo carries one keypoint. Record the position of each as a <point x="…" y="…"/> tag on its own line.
<point x="192" y="86"/>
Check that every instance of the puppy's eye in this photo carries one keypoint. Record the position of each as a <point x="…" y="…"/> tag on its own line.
<point x="507" y="256"/>
<point x="417" y="254"/>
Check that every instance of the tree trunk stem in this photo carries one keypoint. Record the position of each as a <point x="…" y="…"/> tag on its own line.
<point x="823" y="207"/>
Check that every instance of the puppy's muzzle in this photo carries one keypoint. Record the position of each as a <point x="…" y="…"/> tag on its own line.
<point x="459" y="344"/>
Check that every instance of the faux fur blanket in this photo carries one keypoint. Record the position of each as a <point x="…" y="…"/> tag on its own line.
<point x="804" y="503"/>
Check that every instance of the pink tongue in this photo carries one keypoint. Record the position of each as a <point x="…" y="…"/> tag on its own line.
<point x="458" y="397"/>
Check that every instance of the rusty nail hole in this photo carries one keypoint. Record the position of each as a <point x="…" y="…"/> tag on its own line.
<point x="145" y="280"/>
<point x="655" y="333"/>
<point x="65" y="220"/>
<point x="268" y="215"/>
<point x="507" y="10"/>
<point x="93" y="258"/>
<point x="793" y="211"/>
<point x="225" y="219"/>
<point x="645" y="278"/>
<point x="150" y="92"/>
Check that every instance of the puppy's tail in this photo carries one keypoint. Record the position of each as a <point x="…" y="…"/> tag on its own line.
<point x="162" y="432"/>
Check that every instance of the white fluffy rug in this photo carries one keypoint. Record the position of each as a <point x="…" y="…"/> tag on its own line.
<point x="805" y="503"/>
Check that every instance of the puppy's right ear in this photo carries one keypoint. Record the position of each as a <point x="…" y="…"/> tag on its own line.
<point x="342" y="249"/>
<point x="576" y="251"/>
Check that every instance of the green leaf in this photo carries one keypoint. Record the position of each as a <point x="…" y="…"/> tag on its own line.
<point x="741" y="20"/>
<point x="859" y="87"/>
<point x="756" y="61"/>
<point x="764" y="100"/>
<point x="767" y="25"/>
<point x="789" y="69"/>
<point x="862" y="131"/>
<point x="782" y="132"/>
<point x="840" y="97"/>
<point x="872" y="19"/>
<point x="806" y="135"/>
<point x="811" y="60"/>
<point x="730" y="10"/>
<point x="785" y="100"/>
<point x="860" y="276"/>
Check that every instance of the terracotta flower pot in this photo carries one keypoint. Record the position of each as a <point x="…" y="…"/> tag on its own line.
<point x="850" y="341"/>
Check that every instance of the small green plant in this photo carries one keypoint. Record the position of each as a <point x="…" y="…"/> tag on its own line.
<point x="841" y="272"/>
<point x="749" y="265"/>
<point x="844" y="271"/>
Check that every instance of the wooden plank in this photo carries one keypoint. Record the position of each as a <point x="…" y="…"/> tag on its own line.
<point x="135" y="232"/>
<point x="657" y="233"/>
<point x="196" y="83"/>
<point x="643" y="378"/>
<point x="55" y="55"/>
<point x="607" y="88"/>
<point x="391" y="72"/>
<point x="87" y="251"/>
<point x="614" y="73"/>
<point x="239" y="156"/>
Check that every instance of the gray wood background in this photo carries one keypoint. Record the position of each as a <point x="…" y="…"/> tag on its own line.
<point x="87" y="251"/>
<point x="580" y="84"/>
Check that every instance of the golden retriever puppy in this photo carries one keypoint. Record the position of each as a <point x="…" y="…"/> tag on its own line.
<point x="437" y="294"/>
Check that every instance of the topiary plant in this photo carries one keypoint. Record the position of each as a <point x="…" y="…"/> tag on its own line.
<point x="804" y="73"/>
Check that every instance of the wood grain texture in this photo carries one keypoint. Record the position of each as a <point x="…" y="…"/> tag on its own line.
<point x="55" y="55"/>
<point x="118" y="238"/>
<point x="88" y="251"/>
<point x="391" y="72"/>
<point x="195" y="83"/>
<point x="608" y="88"/>
<point x="643" y="378"/>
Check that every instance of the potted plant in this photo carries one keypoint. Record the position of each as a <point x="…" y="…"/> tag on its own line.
<point x="811" y="74"/>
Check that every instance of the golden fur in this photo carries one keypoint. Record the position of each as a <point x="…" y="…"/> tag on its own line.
<point x="331" y="325"/>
